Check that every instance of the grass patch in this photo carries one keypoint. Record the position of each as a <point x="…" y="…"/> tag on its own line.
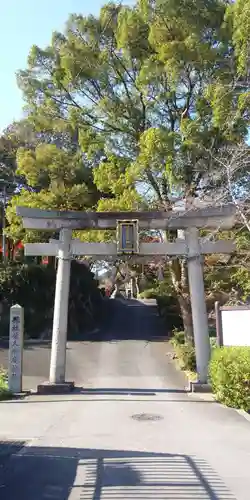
<point x="4" y="391"/>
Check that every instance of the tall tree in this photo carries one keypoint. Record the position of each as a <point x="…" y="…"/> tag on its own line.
<point x="49" y="170"/>
<point x="57" y="179"/>
<point x="153" y="93"/>
<point x="238" y="15"/>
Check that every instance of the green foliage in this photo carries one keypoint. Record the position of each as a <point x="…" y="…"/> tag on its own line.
<point x="231" y="274"/>
<point x="169" y="310"/>
<point x="64" y="198"/>
<point x="212" y="332"/>
<point x="4" y="391"/>
<point x="184" y="351"/>
<point x="61" y="180"/>
<point x="238" y="18"/>
<point x="128" y="200"/>
<point x="131" y="107"/>
<point x="178" y="338"/>
<point x="14" y="137"/>
<point x="25" y="284"/>
<point x="46" y="166"/>
<point x="110" y="175"/>
<point x="230" y="376"/>
<point x="186" y="356"/>
<point x="213" y="343"/>
<point x="146" y="86"/>
<point x="150" y="293"/>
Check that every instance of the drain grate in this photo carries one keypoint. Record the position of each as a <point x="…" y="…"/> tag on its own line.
<point x="145" y="417"/>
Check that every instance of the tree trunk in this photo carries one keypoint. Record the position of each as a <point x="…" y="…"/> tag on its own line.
<point x="51" y="260"/>
<point x="179" y="276"/>
<point x="186" y="313"/>
<point x="11" y="252"/>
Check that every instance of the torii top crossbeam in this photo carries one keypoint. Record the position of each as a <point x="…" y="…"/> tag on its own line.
<point x="223" y="217"/>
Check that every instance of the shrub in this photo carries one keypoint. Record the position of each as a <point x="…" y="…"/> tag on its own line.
<point x="33" y="287"/>
<point x="213" y="342"/>
<point x="168" y="307"/>
<point x="186" y="355"/>
<point x="185" y="351"/>
<point x="4" y="391"/>
<point x="212" y="331"/>
<point x="150" y="293"/>
<point x="229" y="373"/>
<point x="169" y="310"/>
<point x="178" y="338"/>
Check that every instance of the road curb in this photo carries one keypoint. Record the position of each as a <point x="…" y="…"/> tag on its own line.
<point x="198" y="387"/>
<point x="16" y="396"/>
<point x="244" y="414"/>
<point x="211" y="397"/>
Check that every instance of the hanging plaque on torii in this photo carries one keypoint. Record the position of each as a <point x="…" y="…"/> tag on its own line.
<point x="127" y="236"/>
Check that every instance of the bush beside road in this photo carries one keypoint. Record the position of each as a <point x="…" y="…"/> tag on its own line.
<point x="230" y="376"/>
<point x="229" y="370"/>
<point x="184" y="352"/>
<point x="4" y="391"/>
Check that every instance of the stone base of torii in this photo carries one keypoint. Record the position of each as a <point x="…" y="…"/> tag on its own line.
<point x="191" y="247"/>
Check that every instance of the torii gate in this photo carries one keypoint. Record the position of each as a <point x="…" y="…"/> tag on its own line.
<point x="192" y="247"/>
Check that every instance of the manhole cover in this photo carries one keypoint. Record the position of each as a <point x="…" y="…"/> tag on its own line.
<point x="142" y="417"/>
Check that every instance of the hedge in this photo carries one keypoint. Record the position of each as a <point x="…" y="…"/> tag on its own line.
<point x="33" y="287"/>
<point x="229" y="373"/>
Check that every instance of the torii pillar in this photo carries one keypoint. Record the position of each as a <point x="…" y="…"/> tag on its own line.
<point x="60" y="321"/>
<point x="198" y="302"/>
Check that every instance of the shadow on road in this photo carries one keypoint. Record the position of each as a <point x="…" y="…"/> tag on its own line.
<point x="29" y="344"/>
<point x="85" y="474"/>
<point x="120" y="391"/>
<point x="128" y="320"/>
<point x="131" y="320"/>
<point x="40" y="399"/>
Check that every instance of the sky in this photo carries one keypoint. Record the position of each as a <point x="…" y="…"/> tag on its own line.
<point x="24" y="23"/>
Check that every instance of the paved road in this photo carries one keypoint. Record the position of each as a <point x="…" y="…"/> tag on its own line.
<point x="126" y="332"/>
<point x="130" y="432"/>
